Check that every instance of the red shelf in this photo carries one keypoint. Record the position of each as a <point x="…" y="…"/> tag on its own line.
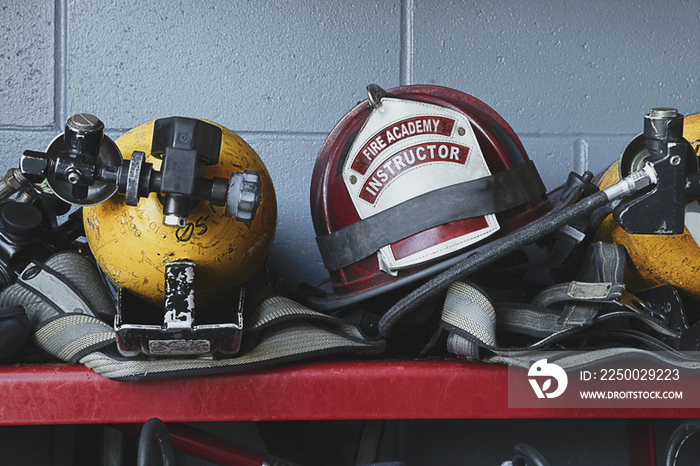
<point x="406" y="389"/>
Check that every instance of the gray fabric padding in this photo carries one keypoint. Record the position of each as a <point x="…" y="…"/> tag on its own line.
<point x="467" y="308"/>
<point x="54" y="289"/>
<point x="34" y="305"/>
<point x="81" y="279"/>
<point x="82" y="273"/>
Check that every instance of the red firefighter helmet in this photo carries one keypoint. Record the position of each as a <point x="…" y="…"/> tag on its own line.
<point x="409" y="181"/>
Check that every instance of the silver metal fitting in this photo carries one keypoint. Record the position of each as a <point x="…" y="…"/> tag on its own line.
<point x="174" y="221"/>
<point x="663" y="113"/>
<point x="12" y="182"/>
<point x="635" y="181"/>
<point x="74" y="176"/>
<point x="83" y="122"/>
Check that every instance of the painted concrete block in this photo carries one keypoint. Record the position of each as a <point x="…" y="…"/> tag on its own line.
<point x="27" y="64"/>
<point x="260" y="66"/>
<point x="556" y="156"/>
<point x="562" y="67"/>
<point x="14" y="143"/>
<point x="290" y="161"/>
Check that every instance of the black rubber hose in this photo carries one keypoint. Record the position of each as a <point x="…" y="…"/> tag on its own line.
<point x="155" y="426"/>
<point x="488" y="255"/>
<point x="526" y="455"/>
<point x="679" y="436"/>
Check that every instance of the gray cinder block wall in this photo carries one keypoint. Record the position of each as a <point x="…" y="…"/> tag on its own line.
<point x="573" y="78"/>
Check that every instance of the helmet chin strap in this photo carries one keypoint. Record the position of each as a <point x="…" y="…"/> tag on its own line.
<point x="631" y="184"/>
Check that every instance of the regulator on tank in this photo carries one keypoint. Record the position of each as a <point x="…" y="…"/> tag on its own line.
<point x="168" y="200"/>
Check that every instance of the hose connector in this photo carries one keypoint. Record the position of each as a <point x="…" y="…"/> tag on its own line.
<point x="632" y="183"/>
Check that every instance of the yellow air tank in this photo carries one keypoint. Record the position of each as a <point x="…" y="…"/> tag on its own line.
<point x="655" y="260"/>
<point x="132" y="245"/>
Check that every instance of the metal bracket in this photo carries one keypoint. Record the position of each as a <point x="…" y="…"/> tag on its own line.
<point x="176" y="332"/>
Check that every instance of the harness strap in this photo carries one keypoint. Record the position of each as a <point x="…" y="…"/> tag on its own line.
<point x="282" y="329"/>
<point x="69" y="337"/>
<point x="278" y="330"/>
<point x="603" y="263"/>
<point x="473" y="321"/>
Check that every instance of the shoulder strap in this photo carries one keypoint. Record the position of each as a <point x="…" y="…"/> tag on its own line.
<point x="278" y="330"/>
<point x="282" y="329"/>
<point x="472" y="321"/>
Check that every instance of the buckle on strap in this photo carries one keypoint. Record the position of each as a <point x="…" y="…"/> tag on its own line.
<point x="590" y="291"/>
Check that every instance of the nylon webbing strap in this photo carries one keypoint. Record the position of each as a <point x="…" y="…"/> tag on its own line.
<point x="278" y="330"/>
<point x="529" y="320"/>
<point x="603" y="263"/>
<point x="287" y="342"/>
<point x="603" y="272"/>
<point x="292" y="332"/>
<point x="71" y="336"/>
<point x="569" y="360"/>
<point x="467" y="337"/>
<point x="472" y="321"/>
<point x="537" y="319"/>
<point x="287" y="330"/>
<point x="475" y="198"/>
<point x="468" y="309"/>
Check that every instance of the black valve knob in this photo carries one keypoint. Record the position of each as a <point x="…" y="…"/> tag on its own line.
<point x="20" y="221"/>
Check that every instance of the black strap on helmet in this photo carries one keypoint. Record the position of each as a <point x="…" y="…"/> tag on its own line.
<point x="475" y="198"/>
